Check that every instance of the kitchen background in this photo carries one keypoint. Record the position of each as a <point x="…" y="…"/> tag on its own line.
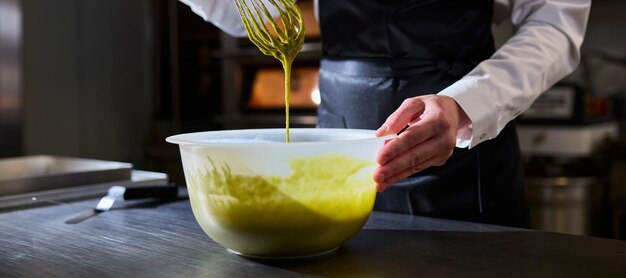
<point x="111" y="79"/>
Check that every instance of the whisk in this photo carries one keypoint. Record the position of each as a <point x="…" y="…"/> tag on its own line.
<point x="283" y="38"/>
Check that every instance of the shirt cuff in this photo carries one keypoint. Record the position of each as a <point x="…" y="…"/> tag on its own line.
<point x="472" y="98"/>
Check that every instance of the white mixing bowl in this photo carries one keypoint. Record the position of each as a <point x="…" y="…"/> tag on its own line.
<point x="261" y="197"/>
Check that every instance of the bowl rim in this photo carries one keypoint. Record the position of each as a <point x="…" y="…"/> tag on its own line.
<point x="368" y="135"/>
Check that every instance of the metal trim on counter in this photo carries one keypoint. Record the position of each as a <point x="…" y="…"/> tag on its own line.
<point x="74" y="193"/>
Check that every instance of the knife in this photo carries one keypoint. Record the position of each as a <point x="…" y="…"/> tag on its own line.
<point x="116" y="192"/>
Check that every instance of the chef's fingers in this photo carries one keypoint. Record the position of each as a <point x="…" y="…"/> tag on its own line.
<point x="406" y="172"/>
<point x="428" y="127"/>
<point x="430" y="153"/>
<point x="408" y="112"/>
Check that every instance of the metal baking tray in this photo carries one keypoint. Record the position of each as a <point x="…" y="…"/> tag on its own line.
<point x="66" y="195"/>
<point x="43" y="172"/>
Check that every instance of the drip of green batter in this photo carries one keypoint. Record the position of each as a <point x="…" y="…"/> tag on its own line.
<point x="284" y="43"/>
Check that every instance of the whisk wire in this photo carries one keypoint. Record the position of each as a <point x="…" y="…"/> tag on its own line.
<point x="255" y="15"/>
<point x="284" y="43"/>
<point x="257" y="34"/>
<point x="282" y="34"/>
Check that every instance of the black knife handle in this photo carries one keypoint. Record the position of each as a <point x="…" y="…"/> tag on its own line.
<point x="169" y="191"/>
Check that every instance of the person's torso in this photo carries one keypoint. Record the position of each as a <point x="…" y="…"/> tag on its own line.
<point x="376" y="54"/>
<point x="406" y="29"/>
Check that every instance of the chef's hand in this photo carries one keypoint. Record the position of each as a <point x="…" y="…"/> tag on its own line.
<point x="433" y="122"/>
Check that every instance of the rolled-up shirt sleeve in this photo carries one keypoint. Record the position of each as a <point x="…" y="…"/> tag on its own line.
<point x="222" y="13"/>
<point x="544" y="49"/>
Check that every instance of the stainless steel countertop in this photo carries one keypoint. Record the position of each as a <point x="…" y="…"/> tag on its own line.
<point x="155" y="239"/>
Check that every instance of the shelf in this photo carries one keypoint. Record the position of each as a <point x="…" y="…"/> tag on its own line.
<point x="308" y="49"/>
<point x="266" y="120"/>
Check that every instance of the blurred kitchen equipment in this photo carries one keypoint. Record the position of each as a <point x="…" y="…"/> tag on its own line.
<point x="566" y="175"/>
<point x="565" y="204"/>
<point x="567" y="104"/>
<point x="565" y="138"/>
<point x="267" y="89"/>
<point x="565" y="141"/>
<point x="43" y="172"/>
<point x="11" y="78"/>
<point x="64" y="179"/>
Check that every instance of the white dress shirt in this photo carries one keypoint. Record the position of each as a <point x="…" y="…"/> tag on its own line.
<point x="544" y="49"/>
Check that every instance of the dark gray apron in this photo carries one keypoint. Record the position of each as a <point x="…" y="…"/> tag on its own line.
<point x="376" y="53"/>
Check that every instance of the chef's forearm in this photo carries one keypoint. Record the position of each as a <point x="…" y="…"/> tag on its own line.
<point x="545" y="48"/>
